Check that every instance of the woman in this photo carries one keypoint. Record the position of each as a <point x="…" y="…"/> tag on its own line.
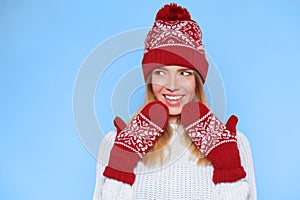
<point x="175" y="147"/>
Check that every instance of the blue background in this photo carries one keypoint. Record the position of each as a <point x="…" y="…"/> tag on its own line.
<point x="255" y="45"/>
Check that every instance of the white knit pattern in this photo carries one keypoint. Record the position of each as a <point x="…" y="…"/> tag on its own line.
<point x="174" y="33"/>
<point x="179" y="178"/>
<point x="139" y="136"/>
<point x="209" y="132"/>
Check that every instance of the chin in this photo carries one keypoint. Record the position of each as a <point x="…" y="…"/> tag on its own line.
<point x="175" y="111"/>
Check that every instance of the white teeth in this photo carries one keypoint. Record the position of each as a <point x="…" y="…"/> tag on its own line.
<point x="173" y="98"/>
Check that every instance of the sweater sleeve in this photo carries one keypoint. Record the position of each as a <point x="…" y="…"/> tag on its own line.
<point x="244" y="189"/>
<point x="106" y="188"/>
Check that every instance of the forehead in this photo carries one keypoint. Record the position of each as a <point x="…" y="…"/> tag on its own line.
<point x="174" y="68"/>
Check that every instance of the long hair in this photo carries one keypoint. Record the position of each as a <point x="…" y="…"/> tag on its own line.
<point x="157" y="154"/>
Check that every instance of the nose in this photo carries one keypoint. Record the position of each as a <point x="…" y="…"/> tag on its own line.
<point x="172" y="83"/>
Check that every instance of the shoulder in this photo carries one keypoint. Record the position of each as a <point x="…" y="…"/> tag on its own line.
<point x="244" y="148"/>
<point x="242" y="140"/>
<point x="108" y="140"/>
<point x="105" y="146"/>
<point x="109" y="137"/>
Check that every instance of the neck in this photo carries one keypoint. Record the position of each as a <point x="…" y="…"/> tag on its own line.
<point x="173" y="119"/>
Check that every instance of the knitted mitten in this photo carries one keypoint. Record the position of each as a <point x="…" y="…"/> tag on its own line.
<point x="134" y="140"/>
<point x="215" y="140"/>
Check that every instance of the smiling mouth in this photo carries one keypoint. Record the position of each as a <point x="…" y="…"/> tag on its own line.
<point x="173" y="97"/>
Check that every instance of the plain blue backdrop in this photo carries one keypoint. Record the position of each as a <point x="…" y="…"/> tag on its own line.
<point x="255" y="45"/>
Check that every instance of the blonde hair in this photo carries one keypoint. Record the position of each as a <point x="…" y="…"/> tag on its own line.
<point x="157" y="154"/>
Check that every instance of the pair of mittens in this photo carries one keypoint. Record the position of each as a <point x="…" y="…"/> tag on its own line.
<point x="214" y="139"/>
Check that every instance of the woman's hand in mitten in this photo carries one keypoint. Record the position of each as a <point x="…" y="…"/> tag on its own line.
<point x="215" y="140"/>
<point x="134" y="140"/>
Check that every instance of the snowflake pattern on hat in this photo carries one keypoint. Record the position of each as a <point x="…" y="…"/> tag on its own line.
<point x="174" y="33"/>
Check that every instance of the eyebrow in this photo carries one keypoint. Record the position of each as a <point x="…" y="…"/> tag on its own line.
<point x="185" y="69"/>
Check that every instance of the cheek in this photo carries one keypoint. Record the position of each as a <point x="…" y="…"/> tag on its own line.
<point x="190" y="87"/>
<point x="156" y="90"/>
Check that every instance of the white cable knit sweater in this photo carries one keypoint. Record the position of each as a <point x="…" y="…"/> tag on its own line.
<point x="179" y="178"/>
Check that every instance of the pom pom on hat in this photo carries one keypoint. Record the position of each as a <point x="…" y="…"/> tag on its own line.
<point x="173" y="12"/>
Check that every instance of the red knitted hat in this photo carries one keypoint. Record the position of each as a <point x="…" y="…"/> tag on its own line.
<point x="175" y="39"/>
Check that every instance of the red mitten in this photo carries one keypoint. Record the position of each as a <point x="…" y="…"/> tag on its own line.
<point x="134" y="140"/>
<point x="215" y="140"/>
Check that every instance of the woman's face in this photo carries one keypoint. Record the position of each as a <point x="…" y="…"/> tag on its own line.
<point x="174" y="86"/>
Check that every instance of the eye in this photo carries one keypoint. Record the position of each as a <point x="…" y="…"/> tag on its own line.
<point x="159" y="72"/>
<point x="186" y="73"/>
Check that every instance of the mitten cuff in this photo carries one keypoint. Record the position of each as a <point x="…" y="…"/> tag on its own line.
<point x="231" y="175"/>
<point x="227" y="163"/>
<point x="125" y="177"/>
